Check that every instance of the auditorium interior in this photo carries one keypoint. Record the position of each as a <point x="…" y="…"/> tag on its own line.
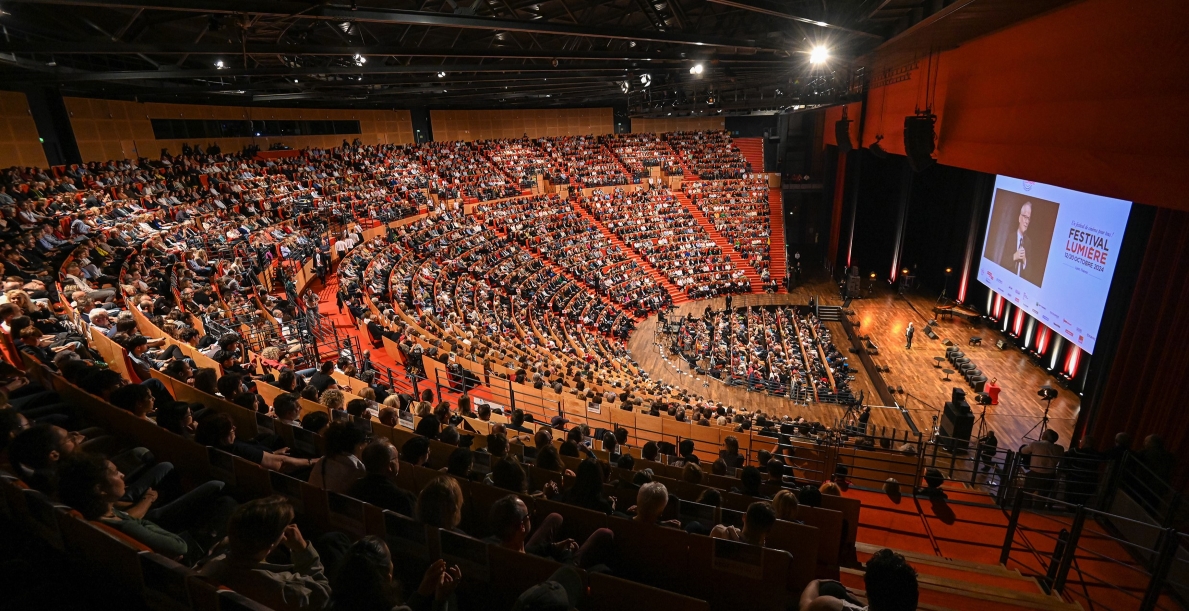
<point x="696" y="305"/>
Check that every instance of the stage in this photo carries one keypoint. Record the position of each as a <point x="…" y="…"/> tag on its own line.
<point x="884" y="316"/>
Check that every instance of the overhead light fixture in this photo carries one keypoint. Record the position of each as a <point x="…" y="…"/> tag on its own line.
<point x="696" y="69"/>
<point x="294" y="80"/>
<point x="360" y="60"/>
<point x="219" y="64"/>
<point x="441" y="75"/>
<point x="625" y="86"/>
<point x="645" y="79"/>
<point x="819" y="55"/>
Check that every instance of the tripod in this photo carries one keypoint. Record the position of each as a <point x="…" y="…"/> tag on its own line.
<point x="1044" y="421"/>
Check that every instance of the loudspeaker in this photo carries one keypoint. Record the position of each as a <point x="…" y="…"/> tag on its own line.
<point x="947" y="343"/>
<point x="957" y="395"/>
<point x="842" y="135"/>
<point x="1001" y="344"/>
<point x="930" y="333"/>
<point x="853" y="285"/>
<point x="919" y="140"/>
<point x="957" y="422"/>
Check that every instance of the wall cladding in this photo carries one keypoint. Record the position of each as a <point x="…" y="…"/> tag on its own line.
<point x="114" y="129"/>
<point x="680" y="124"/>
<point x="19" y="142"/>
<point x="454" y="125"/>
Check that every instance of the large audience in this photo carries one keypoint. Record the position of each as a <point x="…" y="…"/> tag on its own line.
<point x="166" y="291"/>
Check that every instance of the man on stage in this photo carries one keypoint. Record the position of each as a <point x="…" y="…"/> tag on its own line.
<point x="1018" y="246"/>
<point x="908" y="334"/>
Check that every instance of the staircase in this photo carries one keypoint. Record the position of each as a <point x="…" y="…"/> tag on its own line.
<point x="776" y="239"/>
<point x="827" y="313"/>
<point x="956" y="584"/>
<point x="623" y="167"/>
<point x="753" y="151"/>
<point x="675" y="293"/>
<point x="728" y="249"/>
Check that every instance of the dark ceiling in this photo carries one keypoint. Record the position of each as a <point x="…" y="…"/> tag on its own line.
<point x="453" y="53"/>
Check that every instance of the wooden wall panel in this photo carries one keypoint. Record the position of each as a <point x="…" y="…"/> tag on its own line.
<point x="114" y="129"/>
<point x="19" y="142"/>
<point x="678" y="124"/>
<point x="453" y="125"/>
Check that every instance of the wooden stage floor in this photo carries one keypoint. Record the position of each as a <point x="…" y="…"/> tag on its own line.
<point x="884" y="316"/>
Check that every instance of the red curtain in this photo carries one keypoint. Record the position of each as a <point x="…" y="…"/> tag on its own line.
<point x="1147" y="390"/>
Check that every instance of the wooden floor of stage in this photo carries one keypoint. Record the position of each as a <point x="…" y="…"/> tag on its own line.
<point x="884" y="316"/>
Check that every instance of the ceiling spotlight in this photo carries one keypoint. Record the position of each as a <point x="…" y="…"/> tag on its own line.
<point x="697" y="69"/>
<point x="360" y="60"/>
<point x="818" y="55"/>
<point x="219" y="64"/>
<point x="441" y="75"/>
<point x="632" y="44"/>
<point x="625" y="86"/>
<point x="646" y="79"/>
<point x="294" y="80"/>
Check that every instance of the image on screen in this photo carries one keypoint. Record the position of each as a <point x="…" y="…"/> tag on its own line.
<point x="1052" y="252"/>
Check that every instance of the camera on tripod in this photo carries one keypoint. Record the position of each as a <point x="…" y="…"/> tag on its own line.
<point x="1047" y="393"/>
<point x="982" y="398"/>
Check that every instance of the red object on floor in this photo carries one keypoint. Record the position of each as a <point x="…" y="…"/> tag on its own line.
<point x="993" y="390"/>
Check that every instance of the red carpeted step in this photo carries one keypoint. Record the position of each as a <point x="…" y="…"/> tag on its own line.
<point x="753" y="151"/>
<point x="728" y="249"/>
<point x="776" y="239"/>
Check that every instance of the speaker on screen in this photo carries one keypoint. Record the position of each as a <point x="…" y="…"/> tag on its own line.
<point x="842" y="135"/>
<point x="918" y="140"/>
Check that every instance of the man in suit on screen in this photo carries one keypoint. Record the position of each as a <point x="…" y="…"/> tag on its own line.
<point x="1019" y="246"/>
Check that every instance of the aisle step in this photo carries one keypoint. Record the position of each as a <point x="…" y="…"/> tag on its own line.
<point x="728" y="249"/>
<point x="776" y="253"/>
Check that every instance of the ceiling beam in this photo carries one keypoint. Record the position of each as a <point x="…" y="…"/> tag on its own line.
<point x="782" y="15"/>
<point x="101" y="47"/>
<point x="339" y="13"/>
<point x="58" y="76"/>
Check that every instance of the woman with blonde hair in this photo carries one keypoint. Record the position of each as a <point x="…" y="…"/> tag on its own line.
<point x="333" y="399"/>
<point x="786" y="506"/>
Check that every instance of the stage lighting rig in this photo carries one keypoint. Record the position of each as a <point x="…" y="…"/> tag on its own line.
<point x="819" y="55"/>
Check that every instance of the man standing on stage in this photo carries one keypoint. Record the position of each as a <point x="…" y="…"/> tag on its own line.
<point x="908" y="334"/>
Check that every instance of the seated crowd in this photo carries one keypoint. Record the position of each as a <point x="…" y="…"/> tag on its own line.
<point x="663" y="231"/>
<point x="183" y="265"/>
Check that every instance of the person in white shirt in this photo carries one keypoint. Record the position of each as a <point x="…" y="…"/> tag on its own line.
<point x="1044" y="455"/>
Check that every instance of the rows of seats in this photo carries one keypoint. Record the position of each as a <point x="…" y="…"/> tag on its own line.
<point x="665" y="234"/>
<point x="461" y="170"/>
<point x="709" y="155"/>
<point x="553" y="230"/>
<point x="582" y="160"/>
<point x="520" y="159"/>
<point x="739" y="211"/>
<point x="640" y="152"/>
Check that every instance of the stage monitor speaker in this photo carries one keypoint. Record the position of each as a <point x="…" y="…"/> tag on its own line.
<point x="957" y="395"/>
<point x="930" y="333"/>
<point x="957" y="422"/>
<point x="1001" y="344"/>
<point x="842" y="135"/>
<point x="853" y="285"/>
<point x="919" y="140"/>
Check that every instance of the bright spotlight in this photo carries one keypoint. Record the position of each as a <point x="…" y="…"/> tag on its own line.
<point x="625" y="86"/>
<point x="360" y="60"/>
<point x="697" y="69"/>
<point x="219" y="64"/>
<point x="441" y="75"/>
<point x="645" y="79"/>
<point x="818" y="55"/>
